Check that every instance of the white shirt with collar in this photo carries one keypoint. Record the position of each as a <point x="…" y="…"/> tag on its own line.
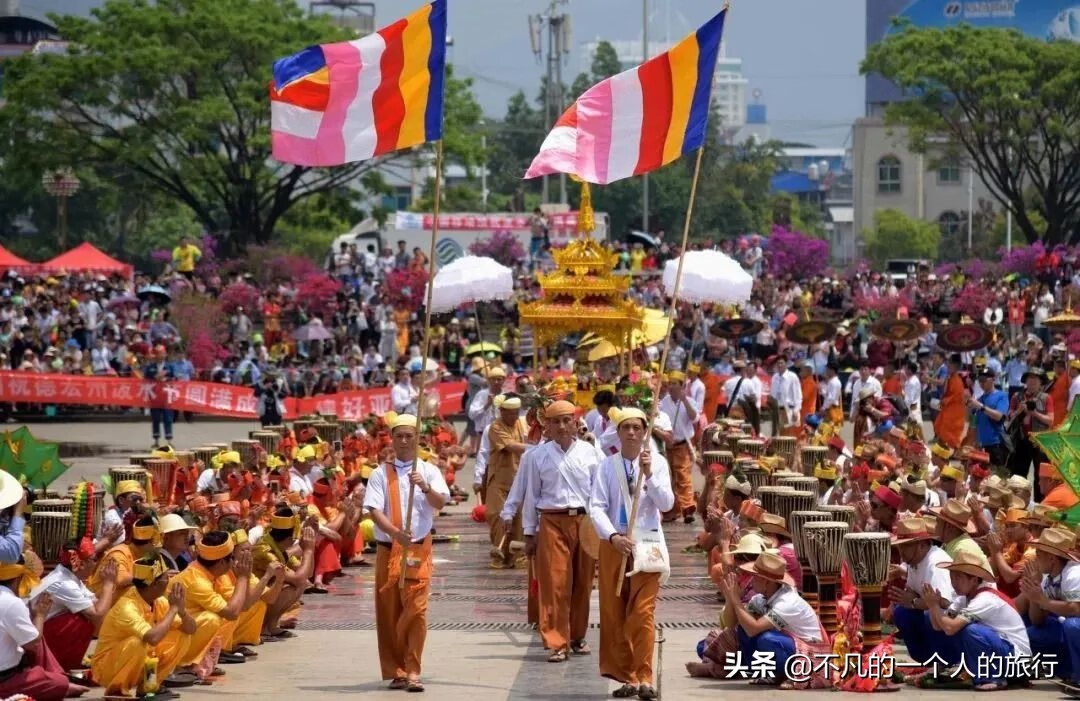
<point x="480" y="412"/>
<point x="787" y="391"/>
<point x="695" y="389"/>
<point x="913" y="393"/>
<point x="403" y="398"/>
<point x="831" y="391"/>
<point x="423" y="515"/>
<point x="746" y="389"/>
<point x="16" y="629"/>
<point x="67" y="591"/>
<point x="790" y="613"/>
<point x="608" y="509"/>
<point x="558" y="480"/>
<point x="683" y="426"/>
<point x="991" y="610"/>
<point x="482" y="454"/>
<point x="301" y="484"/>
<point x="857" y="386"/>
<point x="609" y="442"/>
<point x="208" y="481"/>
<point x="516" y="495"/>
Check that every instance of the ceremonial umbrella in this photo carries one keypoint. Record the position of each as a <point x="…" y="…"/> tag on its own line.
<point x="483" y="347"/>
<point x="472" y="279"/>
<point x="812" y="331"/>
<point x="33" y="462"/>
<point x="736" y="328"/>
<point x="709" y="277"/>
<point x="963" y="338"/>
<point x="898" y="330"/>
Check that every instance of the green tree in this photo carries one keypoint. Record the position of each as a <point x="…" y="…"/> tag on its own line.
<point x="896" y="235"/>
<point x="514" y="142"/>
<point x="173" y="94"/>
<point x="1008" y="103"/>
<point x="605" y="61"/>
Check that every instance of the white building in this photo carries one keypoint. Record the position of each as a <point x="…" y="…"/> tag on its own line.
<point x="729" y="84"/>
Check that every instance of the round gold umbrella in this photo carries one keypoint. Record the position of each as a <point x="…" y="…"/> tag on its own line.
<point x="653" y="331"/>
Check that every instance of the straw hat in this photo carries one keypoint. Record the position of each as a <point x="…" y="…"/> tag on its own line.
<point x="1056" y="542"/>
<point x="918" y="487"/>
<point x="1041" y="515"/>
<point x="968" y="563"/>
<point x="769" y="566"/>
<point x="771" y="523"/>
<point x="910" y="530"/>
<point x="749" y="544"/>
<point x="733" y="484"/>
<point x="173" y="522"/>
<point x="10" y="490"/>
<point x="956" y="513"/>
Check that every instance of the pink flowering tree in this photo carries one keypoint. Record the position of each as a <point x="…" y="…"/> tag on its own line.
<point x="504" y="247"/>
<point x="318" y="294"/>
<point x="973" y="300"/>
<point x="884" y="305"/>
<point x="239" y="294"/>
<point x="406" y="287"/>
<point x="796" y="254"/>
<point x="1023" y="260"/>
<point x="203" y="329"/>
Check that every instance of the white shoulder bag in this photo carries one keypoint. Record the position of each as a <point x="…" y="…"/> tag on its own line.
<point x="650" y="548"/>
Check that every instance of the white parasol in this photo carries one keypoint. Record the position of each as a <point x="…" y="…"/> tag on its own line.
<point x="708" y="276"/>
<point x="470" y="279"/>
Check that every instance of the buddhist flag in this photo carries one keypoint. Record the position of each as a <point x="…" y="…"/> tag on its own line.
<point x="353" y="100"/>
<point x="640" y="119"/>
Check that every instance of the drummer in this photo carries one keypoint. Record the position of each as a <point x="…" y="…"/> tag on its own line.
<point x="215" y="478"/>
<point x="785" y="617"/>
<point x="826" y="474"/>
<point x="129" y="496"/>
<point x="982" y="621"/>
<point x="838" y="454"/>
<point x="920" y="557"/>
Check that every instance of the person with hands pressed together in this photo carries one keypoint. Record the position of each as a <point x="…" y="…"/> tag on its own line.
<point x="401" y="612"/>
<point x="124" y="556"/>
<point x="277" y="546"/>
<point x="981" y="620"/>
<point x="558" y="531"/>
<point x="262" y="589"/>
<point x="1010" y="551"/>
<point x="921" y="558"/>
<point x="783" y="615"/>
<point x="143" y="625"/>
<point x="1050" y="601"/>
<point x="627" y="633"/>
<point x="216" y="616"/>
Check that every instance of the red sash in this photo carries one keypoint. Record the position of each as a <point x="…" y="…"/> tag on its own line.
<point x="998" y="593"/>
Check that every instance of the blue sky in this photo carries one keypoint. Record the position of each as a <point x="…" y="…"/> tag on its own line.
<point x="802" y="55"/>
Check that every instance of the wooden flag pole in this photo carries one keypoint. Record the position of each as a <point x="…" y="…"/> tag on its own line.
<point x="663" y="358"/>
<point x="426" y="346"/>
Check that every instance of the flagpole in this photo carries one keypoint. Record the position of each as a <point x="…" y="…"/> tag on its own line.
<point x="663" y="358"/>
<point x="426" y="347"/>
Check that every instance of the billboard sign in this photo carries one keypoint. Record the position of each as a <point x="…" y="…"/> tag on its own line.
<point x="1044" y="19"/>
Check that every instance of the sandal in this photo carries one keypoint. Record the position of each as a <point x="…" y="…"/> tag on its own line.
<point x="625" y="691"/>
<point x="414" y="686"/>
<point x="557" y="656"/>
<point x="283" y="634"/>
<point x="580" y="647"/>
<point x="398" y="683"/>
<point x="315" y="590"/>
<point x="645" y="691"/>
<point x="762" y="681"/>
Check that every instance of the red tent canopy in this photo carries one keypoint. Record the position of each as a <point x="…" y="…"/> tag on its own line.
<point x="85" y="258"/>
<point x="10" y="261"/>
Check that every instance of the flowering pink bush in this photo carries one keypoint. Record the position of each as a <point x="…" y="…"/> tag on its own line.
<point x="406" y="287"/>
<point x="202" y="326"/>
<point x="1023" y="259"/>
<point x="291" y="267"/>
<point x="884" y="305"/>
<point x="973" y="300"/>
<point x="796" y="254"/>
<point x="318" y="294"/>
<point x="239" y="294"/>
<point x="503" y="247"/>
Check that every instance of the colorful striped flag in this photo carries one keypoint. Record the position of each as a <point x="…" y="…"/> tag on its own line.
<point x="353" y="100"/>
<point x="640" y="119"/>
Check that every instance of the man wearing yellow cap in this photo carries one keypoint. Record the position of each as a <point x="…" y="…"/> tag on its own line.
<point x="215" y="616"/>
<point x="144" y="635"/>
<point x="124" y="555"/>
<point x="558" y="530"/>
<point x="627" y="632"/>
<point x="683" y="415"/>
<point x="507" y="439"/>
<point x="215" y="478"/>
<point x="826" y="476"/>
<point x="300" y="472"/>
<point x="278" y="545"/>
<point x="128" y="495"/>
<point x="403" y="541"/>
<point x="262" y="590"/>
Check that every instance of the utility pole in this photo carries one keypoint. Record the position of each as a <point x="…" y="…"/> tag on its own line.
<point x="971" y="204"/>
<point x="558" y="44"/>
<point x="644" y="58"/>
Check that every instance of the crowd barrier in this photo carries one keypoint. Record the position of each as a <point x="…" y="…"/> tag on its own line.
<point x="201" y="397"/>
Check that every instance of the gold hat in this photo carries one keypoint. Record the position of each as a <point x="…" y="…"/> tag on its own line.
<point x="129" y="487"/>
<point x="147" y="570"/>
<point x="403" y="421"/>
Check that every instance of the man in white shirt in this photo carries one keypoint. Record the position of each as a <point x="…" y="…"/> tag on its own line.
<point x="482" y="409"/>
<point x="918" y="552"/>
<point x="300" y="472"/>
<point x="680" y="410"/>
<point x="787" y="391"/>
<point x="786" y="616"/>
<point x="913" y="392"/>
<point x="596" y="420"/>
<point x="982" y="623"/>
<point x="627" y="631"/>
<point x="557" y="529"/>
<point x="403" y="395"/>
<point x="1052" y="601"/>
<point x="832" y="399"/>
<point x="743" y="390"/>
<point x="26" y="667"/>
<point x="695" y="388"/>
<point x="864" y="380"/>
<point x="401" y="612"/>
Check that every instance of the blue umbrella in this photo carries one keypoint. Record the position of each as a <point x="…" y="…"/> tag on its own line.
<point x="155" y="293"/>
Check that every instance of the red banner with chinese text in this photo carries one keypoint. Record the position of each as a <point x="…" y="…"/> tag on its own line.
<point x="200" y="397"/>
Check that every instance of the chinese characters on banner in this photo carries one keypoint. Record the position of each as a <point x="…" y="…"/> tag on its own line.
<point x="200" y="397"/>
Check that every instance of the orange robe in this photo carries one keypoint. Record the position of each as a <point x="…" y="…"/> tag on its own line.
<point x="1061" y="497"/>
<point x="951" y="423"/>
<point x="1059" y="392"/>
<point x="809" y="397"/>
<point x="713" y="390"/>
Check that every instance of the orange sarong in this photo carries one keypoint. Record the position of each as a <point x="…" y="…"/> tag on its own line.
<point x="627" y="630"/>
<point x="565" y="572"/>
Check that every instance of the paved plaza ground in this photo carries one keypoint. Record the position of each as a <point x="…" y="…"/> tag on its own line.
<point x="479" y="647"/>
